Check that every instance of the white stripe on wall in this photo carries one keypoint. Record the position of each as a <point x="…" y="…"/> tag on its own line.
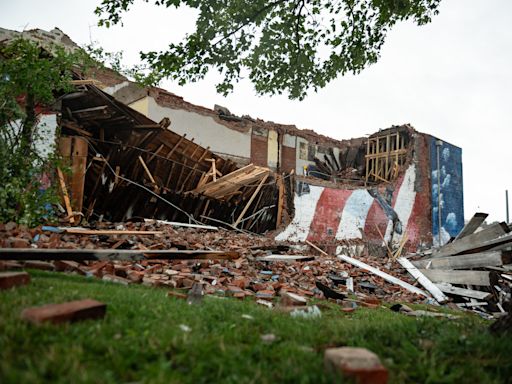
<point x="354" y="215"/>
<point x="305" y="207"/>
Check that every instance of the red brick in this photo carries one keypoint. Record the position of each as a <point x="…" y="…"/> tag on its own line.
<point x="135" y="276"/>
<point x="116" y="279"/>
<point x="358" y="363"/>
<point x="259" y="149"/>
<point x="65" y="312"/>
<point x="13" y="279"/>
<point x="36" y="264"/>
<point x="291" y="299"/>
<point x="68" y="266"/>
<point x="17" y="242"/>
<point x="176" y="294"/>
<point x="265" y="294"/>
<point x="7" y="265"/>
<point x="241" y="282"/>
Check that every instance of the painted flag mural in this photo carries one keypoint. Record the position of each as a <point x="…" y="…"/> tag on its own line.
<point x="328" y="214"/>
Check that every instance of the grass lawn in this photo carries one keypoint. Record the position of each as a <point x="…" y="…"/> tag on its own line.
<point x="141" y="340"/>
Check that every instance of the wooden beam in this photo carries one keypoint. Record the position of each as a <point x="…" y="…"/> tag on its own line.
<point x="472" y="241"/>
<point x="423" y="280"/>
<point x="75" y="127"/>
<point x="244" y="211"/>
<point x="111" y="255"/>
<point x="65" y="196"/>
<point x="185" y="225"/>
<point x="147" y="170"/>
<point x="85" y="231"/>
<point x="280" y="200"/>
<point x="473" y="224"/>
<point x="448" y="288"/>
<point x="457" y="277"/>
<point x="384" y="275"/>
<point x="473" y="260"/>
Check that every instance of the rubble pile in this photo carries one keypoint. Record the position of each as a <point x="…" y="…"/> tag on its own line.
<point x="474" y="268"/>
<point x="264" y="268"/>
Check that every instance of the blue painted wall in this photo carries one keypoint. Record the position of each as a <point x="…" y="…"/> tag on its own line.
<point x="452" y="194"/>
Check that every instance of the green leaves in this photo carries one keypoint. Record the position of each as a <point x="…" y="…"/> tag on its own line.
<point x="30" y="79"/>
<point x="281" y="45"/>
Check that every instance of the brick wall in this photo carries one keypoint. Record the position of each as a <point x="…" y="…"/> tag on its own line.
<point x="259" y="150"/>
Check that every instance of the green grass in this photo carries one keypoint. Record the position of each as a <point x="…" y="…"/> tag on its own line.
<point x="140" y="340"/>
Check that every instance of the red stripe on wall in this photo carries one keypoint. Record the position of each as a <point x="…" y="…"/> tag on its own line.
<point x="328" y="214"/>
<point x="377" y="217"/>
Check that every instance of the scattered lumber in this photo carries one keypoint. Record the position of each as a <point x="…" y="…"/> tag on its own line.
<point x="184" y="225"/>
<point x="423" y="280"/>
<point x="473" y="241"/>
<point x="112" y="254"/>
<point x="85" y="231"/>
<point x="473" y="224"/>
<point x="457" y="277"/>
<point x="448" y="288"/>
<point x="474" y="260"/>
<point x="384" y="275"/>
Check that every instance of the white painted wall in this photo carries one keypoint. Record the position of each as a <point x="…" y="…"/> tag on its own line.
<point x="204" y="129"/>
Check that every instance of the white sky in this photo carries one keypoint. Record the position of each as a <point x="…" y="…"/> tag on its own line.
<point x="451" y="78"/>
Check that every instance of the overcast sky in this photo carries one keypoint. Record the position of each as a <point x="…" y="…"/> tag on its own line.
<point x="451" y="78"/>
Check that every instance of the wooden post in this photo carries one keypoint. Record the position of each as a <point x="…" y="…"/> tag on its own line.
<point x="65" y="196"/>
<point x="280" y="201"/>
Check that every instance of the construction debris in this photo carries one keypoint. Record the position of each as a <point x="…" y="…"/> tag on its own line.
<point x="65" y="312"/>
<point x="181" y="257"/>
<point x="474" y="270"/>
<point x="360" y="364"/>
<point x="13" y="279"/>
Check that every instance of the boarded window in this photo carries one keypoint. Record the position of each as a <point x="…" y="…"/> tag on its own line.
<point x="303" y="151"/>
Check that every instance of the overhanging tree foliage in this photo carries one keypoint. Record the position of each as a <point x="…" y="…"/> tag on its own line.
<point x="31" y="78"/>
<point x="282" y="45"/>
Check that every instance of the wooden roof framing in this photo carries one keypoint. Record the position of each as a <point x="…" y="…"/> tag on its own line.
<point x="137" y="167"/>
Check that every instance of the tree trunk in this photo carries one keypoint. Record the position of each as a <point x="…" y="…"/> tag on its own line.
<point x="29" y="123"/>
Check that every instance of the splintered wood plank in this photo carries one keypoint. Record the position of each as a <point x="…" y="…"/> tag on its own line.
<point x="227" y="177"/>
<point x="457" y="277"/>
<point x="151" y="178"/>
<point x="472" y="241"/>
<point x="75" y="127"/>
<point x="155" y="154"/>
<point x="79" y="231"/>
<point x="193" y="170"/>
<point x="382" y="274"/>
<point x="112" y="254"/>
<point x="473" y="260"/>
<point x="423" y="280"/>
<point x="448" y="288"/>
<point x="65" y="196"/>
<point x="473" y="224"/>
<point x="258" y="188"/>
<point x="222" y="189"/>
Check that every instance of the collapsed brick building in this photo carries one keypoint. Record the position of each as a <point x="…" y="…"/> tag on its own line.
<point x="394" y="186"/>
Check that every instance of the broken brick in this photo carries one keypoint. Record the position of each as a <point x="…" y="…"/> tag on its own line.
<point x="36" y="264"/>
<point x="358" y="363"/>
<point x="13" y="279"/>
<point x="116" y="279"/>
<point x="291" y="299"/>
<point x="265" y="294"/>
<point x="65" y="312"/>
